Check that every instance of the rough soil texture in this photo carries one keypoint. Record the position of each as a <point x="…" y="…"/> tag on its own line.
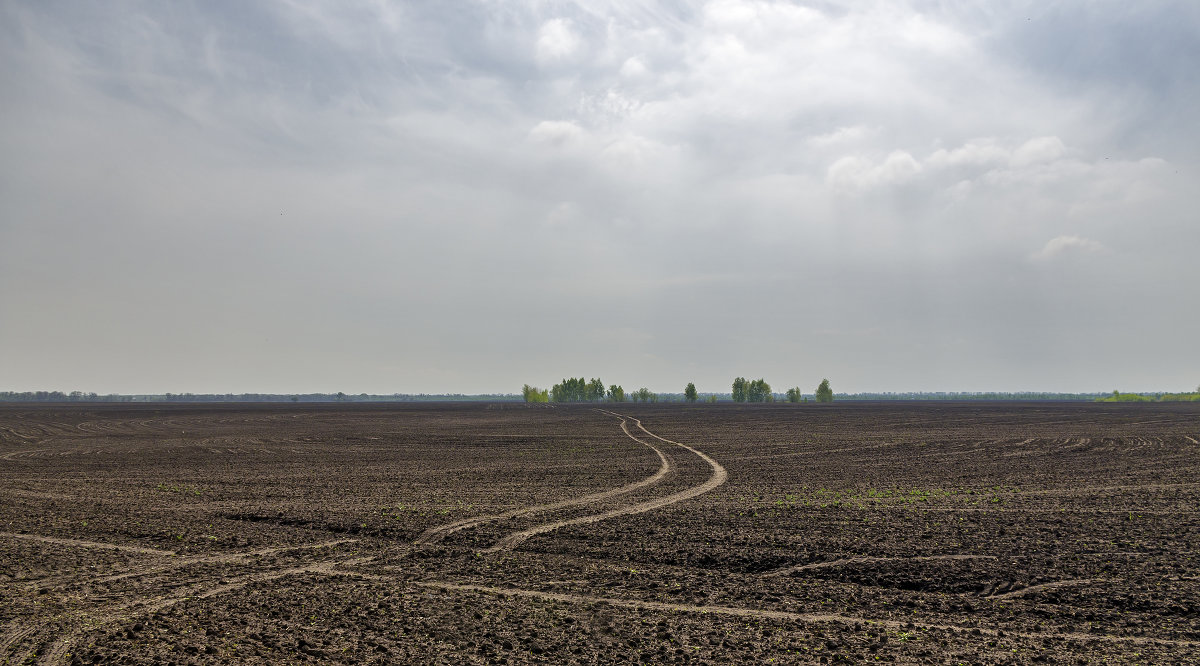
<point x="846" y="533"/>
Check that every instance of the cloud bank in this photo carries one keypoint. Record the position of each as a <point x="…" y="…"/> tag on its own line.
<point x="422" y="197"/>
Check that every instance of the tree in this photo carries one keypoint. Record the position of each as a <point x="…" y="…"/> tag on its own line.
<point x="569" y="390"/>
<point x="793" y="394"/>
<point x="576" y="389"/>
<point x="824" y="393"/>
<point x="534" y="394"/>
<point x="616" y="394"/>
<point x="758" y="390"/>
<point x="644" y="395"/>
<point x="739" y="389"/>
<point x="689" y="392"/>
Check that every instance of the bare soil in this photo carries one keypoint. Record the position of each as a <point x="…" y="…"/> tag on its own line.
<point x="908" y="533"/>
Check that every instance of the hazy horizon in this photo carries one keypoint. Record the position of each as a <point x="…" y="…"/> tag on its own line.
<point x="463" y="198"/>
<point x="775" y="390"/>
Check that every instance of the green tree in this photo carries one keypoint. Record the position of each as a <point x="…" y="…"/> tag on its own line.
<point x="739" y="389"/>
<point x="689" y="392"/>
<point x="824" y="393"/>
<point x="758" y="390"/>
<point x="569" y="390"/>
<point x="644" y="395"/>
<point x="793" y="394"/>
<point x="534" y="394"/>
<point x="616" y="393"/>
<point x="595" y="390"/>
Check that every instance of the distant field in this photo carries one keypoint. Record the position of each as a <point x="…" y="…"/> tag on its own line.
<point x="476" y="533"/>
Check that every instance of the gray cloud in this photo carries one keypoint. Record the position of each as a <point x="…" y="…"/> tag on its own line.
<point x="418" y="197"/>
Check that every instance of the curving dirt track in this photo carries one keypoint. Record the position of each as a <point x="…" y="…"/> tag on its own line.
<point x="719" y="476"/>
<point x="911" y="533"/>
<point x="787" y="571"/>
<point x="440" y="532"/>
<point x="80" y="543"/>
<point x="779" y="615"/>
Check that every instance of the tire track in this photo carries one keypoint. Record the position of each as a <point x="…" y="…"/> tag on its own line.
<point x="14" y="635"/>
<point x="785" y="571"/>
<point x="718" y="477"/>
<point x="13" y="455"/>
<point x="79" y="621"/>
<point x="89" y="544"/>
<point x="436" y="534"/>
<point x="787" y="615"/>
<point x="1044" y="586"/>
<point x="97" y="617"/>
<point x="34" y="494"/>
<point x="1085" y="490"/>
<point x="182" y="562"/>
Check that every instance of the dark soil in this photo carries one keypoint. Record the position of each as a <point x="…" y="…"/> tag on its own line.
<point x="847" y="533"/>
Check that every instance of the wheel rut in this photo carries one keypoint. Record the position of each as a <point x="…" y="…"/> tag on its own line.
<point x="786" y="571"/>
<point x="440" y="532"/>
<point x="183" y="562"/>
<point x="88" y="544"/>
<point x="97" y="617"/>
<point x="23" y="641"/>
<point x="1020" y="592"/>
<point x="718" y="477"/>
<point x="787" y="615"/>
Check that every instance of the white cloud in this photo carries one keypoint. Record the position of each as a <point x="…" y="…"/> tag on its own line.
<point x="979" y="152"/>
<point x="556" y="40"/>
<point x="1039" y="151"/>
<point x="565" y="213"/>
<point x="856" y="173"/>
<point x="922" y="32"/>
<point x="842" y="135"/>
<point x="556" y="132"/>
<point x="633" y="68"/>
<point x="1068" y="245"/>
<point x="887" y="142"/>
<point x="630" y="155"/>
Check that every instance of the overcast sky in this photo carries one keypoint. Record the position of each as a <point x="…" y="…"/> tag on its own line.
<point x="468" y="196"/>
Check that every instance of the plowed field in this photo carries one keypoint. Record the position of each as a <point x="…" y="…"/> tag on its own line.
<point x="846" y="533"/>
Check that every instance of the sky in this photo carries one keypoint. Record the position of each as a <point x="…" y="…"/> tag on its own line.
<point x="381" y="197"/>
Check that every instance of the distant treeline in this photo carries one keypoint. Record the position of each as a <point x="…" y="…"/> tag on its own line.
<point x="970" y="395"/>
<point x="571" y="391"/>
<point x="758" y="390"/>
<point x="1117" y="396"/>
<point x="79" y="396"/>
<point x="577" y="389"/>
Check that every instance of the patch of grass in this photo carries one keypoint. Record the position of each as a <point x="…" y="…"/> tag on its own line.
<point x="179" y="489"/>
